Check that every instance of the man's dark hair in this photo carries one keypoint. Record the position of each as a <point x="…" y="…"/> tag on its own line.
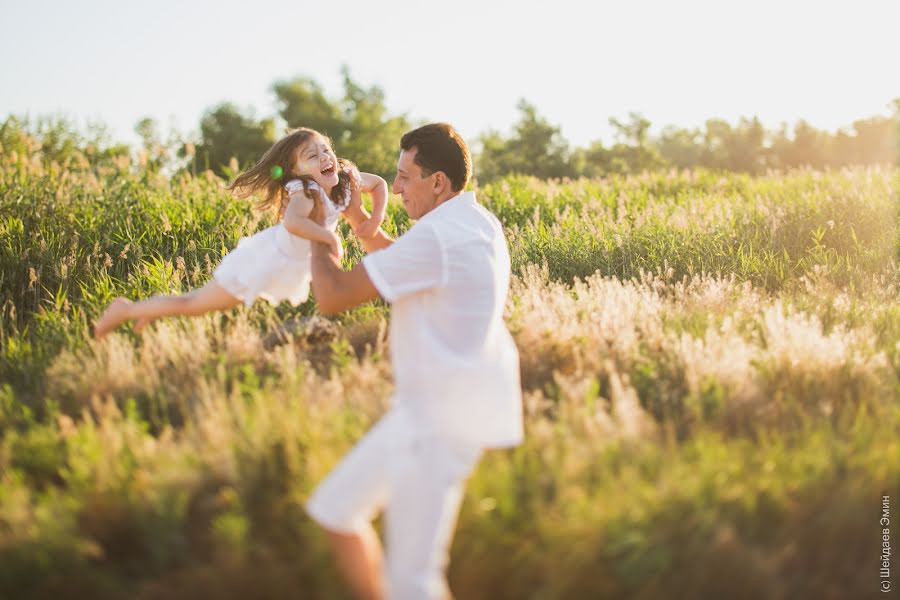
<point x="439" y="147"/>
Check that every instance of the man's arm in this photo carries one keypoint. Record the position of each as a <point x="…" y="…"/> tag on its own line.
<point x="379" y="241"/>
<point x="337" y="290"/>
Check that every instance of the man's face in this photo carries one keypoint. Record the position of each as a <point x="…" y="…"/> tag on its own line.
<point x="417" y="192"/>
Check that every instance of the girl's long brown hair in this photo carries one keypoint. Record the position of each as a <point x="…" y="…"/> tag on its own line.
<point x="273" y="172"/>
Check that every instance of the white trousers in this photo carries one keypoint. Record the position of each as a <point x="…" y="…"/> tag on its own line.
<point x="419" y="480"/>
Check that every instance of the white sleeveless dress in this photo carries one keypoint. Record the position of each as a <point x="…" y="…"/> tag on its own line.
<point x="274" y="264"/>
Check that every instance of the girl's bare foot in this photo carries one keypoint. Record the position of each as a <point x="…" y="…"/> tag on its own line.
<point x="115" y="314"/>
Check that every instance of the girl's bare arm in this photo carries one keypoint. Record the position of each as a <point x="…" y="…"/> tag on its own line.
<point x="297" y="221"/>
<point x="377" y="188"/>
<point x="357" y="215"/>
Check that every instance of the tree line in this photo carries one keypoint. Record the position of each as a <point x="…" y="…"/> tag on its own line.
<point x="362" y="128"/>
<point x="536" y="147"/>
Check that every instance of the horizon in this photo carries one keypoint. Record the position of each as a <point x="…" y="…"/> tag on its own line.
<point x="675" y="65"/>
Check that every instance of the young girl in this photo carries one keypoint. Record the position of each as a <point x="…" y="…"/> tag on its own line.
<point x="305" y="181"/>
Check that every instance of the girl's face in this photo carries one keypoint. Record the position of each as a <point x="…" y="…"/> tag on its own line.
<point x="317" y="160"/>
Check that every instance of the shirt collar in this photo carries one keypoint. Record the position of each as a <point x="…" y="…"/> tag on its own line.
<point x="461" y="198"/>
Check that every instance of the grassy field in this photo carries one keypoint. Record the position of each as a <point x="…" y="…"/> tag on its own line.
<point x="710" y="368"/>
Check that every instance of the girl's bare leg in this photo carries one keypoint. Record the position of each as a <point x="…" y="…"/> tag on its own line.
<point x="211" y="297"/>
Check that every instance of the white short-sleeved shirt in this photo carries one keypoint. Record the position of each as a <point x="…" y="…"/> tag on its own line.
<point x="455" y="364"/>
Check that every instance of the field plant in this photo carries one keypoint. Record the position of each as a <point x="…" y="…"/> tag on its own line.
<point x="710" y="375"/>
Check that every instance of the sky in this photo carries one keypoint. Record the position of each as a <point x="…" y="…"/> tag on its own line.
<point x="467" y="62"/>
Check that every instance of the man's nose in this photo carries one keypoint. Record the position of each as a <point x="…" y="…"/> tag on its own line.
<point x="395" y="189"/>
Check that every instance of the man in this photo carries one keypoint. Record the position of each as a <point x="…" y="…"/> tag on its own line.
<point x="455" y="365"/>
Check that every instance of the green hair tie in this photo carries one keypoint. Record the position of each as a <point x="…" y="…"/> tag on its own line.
<point x="277" y="172"/>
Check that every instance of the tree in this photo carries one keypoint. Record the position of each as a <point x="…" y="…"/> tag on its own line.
<point x="807" y="147"/>
<point x="226" y="133"/>
<point x="535" y="148"/>
<point x="372" y="138"/>
<point x="632" y="153"/>
<point x="632" y="132"/>
<point x="680" y="148"/>
<point x="874" y="141"/>
<point x="739" y="148"/>
<point x="595" y="161"/>
<point x="154" y="153"/>
<point x="302" y="103"/>
<point x="895" y="105"/>
<point x="745" y="146"/>
<point x="358" y="123"/>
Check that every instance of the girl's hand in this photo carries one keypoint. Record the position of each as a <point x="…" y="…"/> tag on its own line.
<point x="355" y="177"/>
<point x="282" y="206"/>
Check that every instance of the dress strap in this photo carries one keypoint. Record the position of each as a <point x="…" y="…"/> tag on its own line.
<point x="295" y="185"/>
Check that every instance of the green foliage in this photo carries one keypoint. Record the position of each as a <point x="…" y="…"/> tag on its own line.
<point x="57" y="140"/>
<point x="536" y="148"/>
<point x="358" y="123"/>
<point x="227" y="135"/>
<point x="710" y="365"/>
<point x="302" y="103"/>
<point x="364" y="131"/>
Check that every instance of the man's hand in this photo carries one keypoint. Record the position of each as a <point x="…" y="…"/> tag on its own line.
<point x="368" y="228"/>
<point x="335" y="247"/>
<point x="355" y="206"/>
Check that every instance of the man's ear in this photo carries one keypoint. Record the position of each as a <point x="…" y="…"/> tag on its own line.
<point x="440" y="182"/>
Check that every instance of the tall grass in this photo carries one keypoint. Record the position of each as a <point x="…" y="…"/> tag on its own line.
<point x="710" y="370"/>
